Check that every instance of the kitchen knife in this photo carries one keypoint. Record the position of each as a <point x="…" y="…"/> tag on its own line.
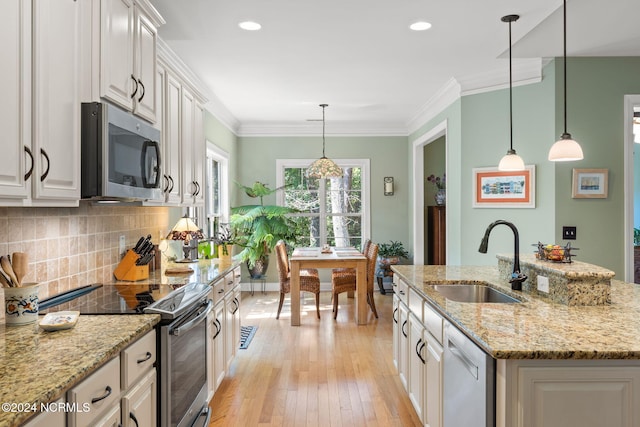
<point x="145" y="259"/>
<point x="136" y="248"/>
<point x="146" y="247"/>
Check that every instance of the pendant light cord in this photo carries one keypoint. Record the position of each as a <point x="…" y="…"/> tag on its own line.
<point x="510" y="95"/>
<point x="323" y="107"/>
<point x="565" y="65"/>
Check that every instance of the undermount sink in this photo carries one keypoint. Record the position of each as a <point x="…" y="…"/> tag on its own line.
<point x="474" y="294"/>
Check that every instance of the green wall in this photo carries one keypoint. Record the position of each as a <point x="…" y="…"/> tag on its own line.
<point x="478" y="136"/>
<point x="485" y="139"/>
<point x="595" y="118"/>
<point x="434" y="163"/>
<point x="387" y="156"/>
<point x="596" y="89"/>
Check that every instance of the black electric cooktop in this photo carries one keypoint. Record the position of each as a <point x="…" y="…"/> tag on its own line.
<point x="129" y="298"/>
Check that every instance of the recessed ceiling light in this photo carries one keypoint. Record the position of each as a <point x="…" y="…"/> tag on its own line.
<point x="420" y="26"/>
<point x="250" y="26"/>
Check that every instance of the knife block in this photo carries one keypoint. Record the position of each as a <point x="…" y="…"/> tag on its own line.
<point x="129" y="271"/>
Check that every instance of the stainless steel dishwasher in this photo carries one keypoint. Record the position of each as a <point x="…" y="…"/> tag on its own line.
<point x="469" y="382"/>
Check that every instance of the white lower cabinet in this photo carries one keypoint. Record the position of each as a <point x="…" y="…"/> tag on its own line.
<point x="139" y="404"/>
<point x="396" y="331"/>
<point x="223" y="325"/>
<point x="560" y="393"/>
<point x="416" y="353"/>
<point x="110" y="419"/>
<point x="122" y="392"/>
<point x="433" y="382"/>
<point x="219" y="364"/>
<point x="403" y="344"/>
<point x="51" y="418"/>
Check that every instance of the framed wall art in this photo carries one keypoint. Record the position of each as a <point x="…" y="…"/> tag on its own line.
<point x="590" y="183"/>
<point x="498" y="189"/>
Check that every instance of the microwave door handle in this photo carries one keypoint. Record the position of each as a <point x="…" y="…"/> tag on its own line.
<point x="156" y="164"/>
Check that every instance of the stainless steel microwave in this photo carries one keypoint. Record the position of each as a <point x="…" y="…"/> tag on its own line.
<point x="120" y="155"/>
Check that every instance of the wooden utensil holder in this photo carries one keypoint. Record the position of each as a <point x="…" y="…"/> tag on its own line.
<point x="129" y="271"/>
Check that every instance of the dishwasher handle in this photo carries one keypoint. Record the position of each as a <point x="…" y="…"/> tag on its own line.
<point x="466" y="361"/>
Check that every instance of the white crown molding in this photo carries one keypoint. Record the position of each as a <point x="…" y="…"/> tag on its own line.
<point x="445" y="96"/>
<point x="525" y="71"/>
<point x="314" y="129"/>
<point x="210" y="100"/>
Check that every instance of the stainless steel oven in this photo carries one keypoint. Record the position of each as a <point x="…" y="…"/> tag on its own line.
<point x="182" y="335"/>
<point x="183" y="360"/>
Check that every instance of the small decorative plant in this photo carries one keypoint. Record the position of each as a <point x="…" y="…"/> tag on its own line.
<point x="438" y="182"/>
<point x="636" y="237"/>
<point x="224" y="238"/>
<point x="392" y="252"/>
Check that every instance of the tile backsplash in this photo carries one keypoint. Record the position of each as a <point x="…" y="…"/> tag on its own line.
<point x="72" y="247"/>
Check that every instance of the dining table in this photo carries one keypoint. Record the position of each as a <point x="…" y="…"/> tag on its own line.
<point x="334" y="257"/>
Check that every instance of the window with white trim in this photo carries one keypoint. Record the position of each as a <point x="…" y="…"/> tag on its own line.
<point x="216" y="209"/>
<point x="333" y="211"/>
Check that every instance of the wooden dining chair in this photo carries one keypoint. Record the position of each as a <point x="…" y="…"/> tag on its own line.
<point x="309" y="279"/>
<point x="345" y="281"/>
<point x="343" y="270"/>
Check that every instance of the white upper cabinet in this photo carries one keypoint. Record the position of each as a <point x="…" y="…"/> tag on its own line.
<point x="15" y="103"/>
<point x="56" y="99"/>
<point x="40" y="108"/>
<point x="128" y="50"/>
<point x="193" y="150"/>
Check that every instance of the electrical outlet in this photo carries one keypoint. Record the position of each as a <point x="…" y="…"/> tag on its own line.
<point x="569" y="233"/>
<point x="543" y="284"/>
<point x="122" y="247"/>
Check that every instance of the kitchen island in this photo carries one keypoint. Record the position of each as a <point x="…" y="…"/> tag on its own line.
<point x="552" y="359"/>
<point x="39" y="367"/>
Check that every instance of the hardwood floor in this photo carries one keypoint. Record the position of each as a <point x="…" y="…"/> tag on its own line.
<point x="322" y="373"/>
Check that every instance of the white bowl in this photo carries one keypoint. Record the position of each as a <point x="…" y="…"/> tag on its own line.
<point x="59" y="320"/>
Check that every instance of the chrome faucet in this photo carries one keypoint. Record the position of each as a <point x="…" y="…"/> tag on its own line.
<point x="516" y="276"/>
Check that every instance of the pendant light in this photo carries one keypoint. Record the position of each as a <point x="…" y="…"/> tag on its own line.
<point x="324" y="167"/>
<point x="511" y="161"/>
<point x="566" y="149"/>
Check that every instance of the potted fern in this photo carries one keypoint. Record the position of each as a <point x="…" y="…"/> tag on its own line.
<point x="258" y="227"/>
<point x="388" y="254"/>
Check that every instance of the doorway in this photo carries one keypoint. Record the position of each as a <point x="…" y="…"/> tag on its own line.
<point x="632" y="188"/>
<point x="419" y="180"/>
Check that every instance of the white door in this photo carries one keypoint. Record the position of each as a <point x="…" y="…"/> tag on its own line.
<point x="145" y="68"/>
<point x="56" y="98"/>
<point x="15" y="102"/>
<point x="117" y="82"/>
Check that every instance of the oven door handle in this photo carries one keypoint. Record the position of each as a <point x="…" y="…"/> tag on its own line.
<point x="205" y="412"/>
<point x="192" y="323"/>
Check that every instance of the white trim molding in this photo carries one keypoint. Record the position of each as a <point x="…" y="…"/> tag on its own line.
<point x="418" y="188"/>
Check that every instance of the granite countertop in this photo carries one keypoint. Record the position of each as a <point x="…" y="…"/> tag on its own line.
<point x="204" y="271"/>
<point x="38" y="366"/>
<point x="537" y="328"/>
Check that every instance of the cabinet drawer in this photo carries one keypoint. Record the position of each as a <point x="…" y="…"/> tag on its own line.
<point x="98" y="392"/>
<point x="218" y="290"/>
<point x="415" y="304"/>
<point x="403" y="291"/>
<point x="229" y="281"/>
<point x="236" y="275"/>
<point x="138" y="358"/>
<point x="433" y="322"/>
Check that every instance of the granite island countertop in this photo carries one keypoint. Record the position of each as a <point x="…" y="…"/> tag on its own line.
<point x="38" y="366"/>
<point x="536" y="328"/>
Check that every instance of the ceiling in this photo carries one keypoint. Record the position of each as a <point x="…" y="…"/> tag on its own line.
<point x="360" y="57"/>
